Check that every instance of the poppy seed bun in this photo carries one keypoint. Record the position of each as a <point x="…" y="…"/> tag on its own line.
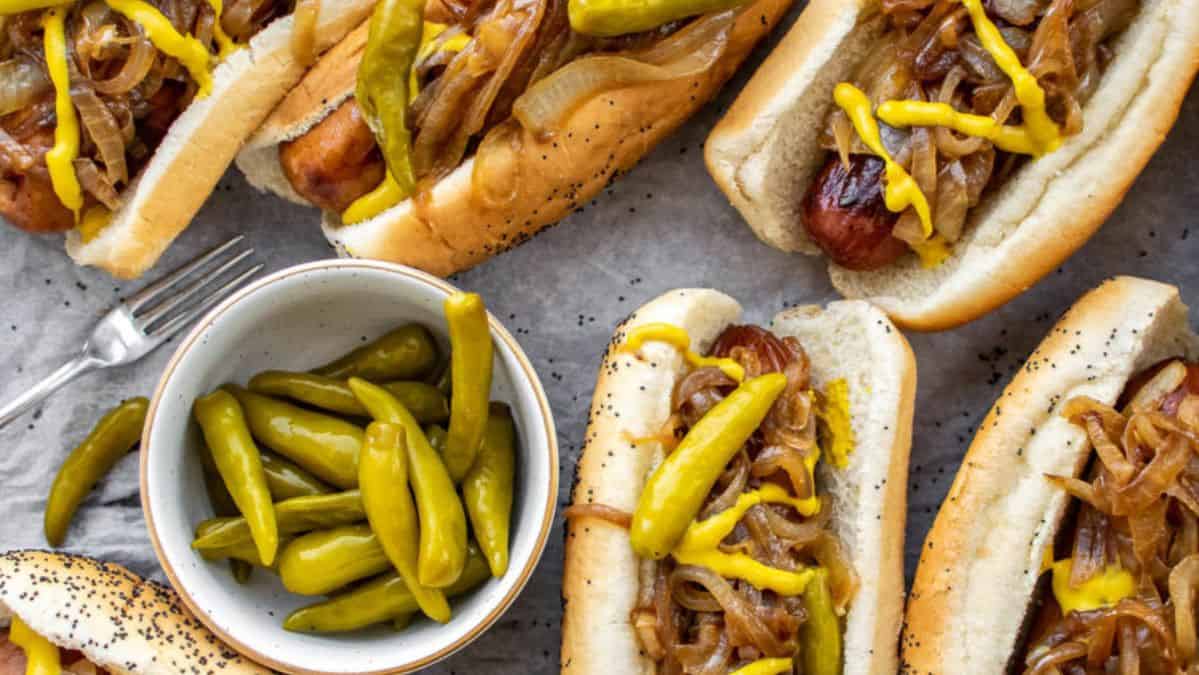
<point x="981" y="562"/>
<point x="543" y="182"/>
<point x="201" y="143"/>
<point x="632" y="400"/>
<point x="117" y="620"/>
<point x="765" y="153"/>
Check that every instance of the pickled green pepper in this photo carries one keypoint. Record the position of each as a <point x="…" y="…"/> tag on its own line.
<point x="110" y="440"/>
<point x="288" y="481"/>
<point x="425" y="401"/>
<point x="237" y="459"/>
<point x="820" y="635"/>
<point x="383" y="479"/>
<point x="610" y="18"/>
<point x="406" y="353"/>
<point x="376" y="601"/>
<point x="442" y="518"/>
<point x="293" y="516"/>
<point x="382" y="92"/>
<point x="223" y="506"/>
<point x="325" y="560"/>
<point x="674" y="494"/>
<point x="322" y="444"/>
<point x="488" y="487"/>
<point x="470" y="371"/>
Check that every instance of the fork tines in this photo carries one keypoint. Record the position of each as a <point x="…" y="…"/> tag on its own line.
<point x="167" y="305"/>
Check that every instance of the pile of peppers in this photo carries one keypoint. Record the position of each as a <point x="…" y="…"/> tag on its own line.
<point x="343" y="480"/>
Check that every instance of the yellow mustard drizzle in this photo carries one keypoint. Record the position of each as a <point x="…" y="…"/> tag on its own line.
<point x="1043" y="131"/>
<point x="371" y="204"/>
<point x="700" y="542"/>
<point x="188" y="50"/>
<point x="679" y="339"/>
<point x="901" y="190"/>
<point x="1105" y="589"/>
<point x="225" y="44"/>
<point x="766" y="666"/>
<point x="932" y="251"/>
<point x="41" y="656"/>
<point x="60" y="160"/>
<point x="839" y="440"/>
<point x="388" y="193"/>
<point x="928" y="114"/>
<point x="94" y="220"/>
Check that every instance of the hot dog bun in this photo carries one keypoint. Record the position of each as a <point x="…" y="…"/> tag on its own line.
<point x="986" y="547"/>
<point x="764" y="154"/>
<point x="202" y="142"/>
<point x="117" y="620"/>
<point x="850" y="340"/>
<point x="549" y="178"/>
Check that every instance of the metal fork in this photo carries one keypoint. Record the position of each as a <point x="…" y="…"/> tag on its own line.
<point x="139" y="324"/>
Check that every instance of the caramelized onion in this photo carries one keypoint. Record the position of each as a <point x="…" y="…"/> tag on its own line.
<point x="1150" y="394"/>
<point x="137" y="65"/>
<point x="744" y="625"/>
<point x="22" y="81"/>
<point x="615" y="516"/>
<point x="1109" y="453"/>
<point x="953" y="198"/>
<point x="1090" y="545"/>
<point x="1017" y="12"/>
<point x="775" y="458"/>
<point x="699" y="391"/>
<point x="96" y="184"/>
<point x="797" y="535"/>
<point x="13" y="154"/>
<point x="103" y="130"/>
<point x="1184" y="579"/>
<point x="1051" y="659"/>
<point x="690" y="52"/>
<point x="1153" y="480"/>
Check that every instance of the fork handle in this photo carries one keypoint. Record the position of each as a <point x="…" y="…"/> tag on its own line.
<point x="39" y="392"/>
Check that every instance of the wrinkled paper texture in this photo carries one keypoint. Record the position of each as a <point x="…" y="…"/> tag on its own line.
<point x="665" y="225"/>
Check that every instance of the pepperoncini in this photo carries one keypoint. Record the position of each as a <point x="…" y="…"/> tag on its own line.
<point x="674" y="494"/>
<point x="41" y="656"/>
<point x="389" y="192"/>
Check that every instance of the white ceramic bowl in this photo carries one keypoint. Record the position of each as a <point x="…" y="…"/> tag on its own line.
<point x="293" y="320"/>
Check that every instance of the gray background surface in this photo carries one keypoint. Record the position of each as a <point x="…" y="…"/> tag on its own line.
<point x="663" y="226"/>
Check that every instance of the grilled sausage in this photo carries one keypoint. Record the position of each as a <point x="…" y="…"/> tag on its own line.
<point x="335" y="162"/>
<point x="845" y="214"/>
<point x="27" y="199"/>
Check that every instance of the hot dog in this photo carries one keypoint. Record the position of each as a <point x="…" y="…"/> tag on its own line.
<point x="739" y="507"/>
<point x="495" y="121"/>
<point x="1006" y="133"/>
<point x="1069" y="530"/>
<point x="68" y="612"/>
<point x="117" y="117"/>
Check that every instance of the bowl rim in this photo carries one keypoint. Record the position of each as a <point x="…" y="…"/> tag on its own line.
<point x="439" y="285"/>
